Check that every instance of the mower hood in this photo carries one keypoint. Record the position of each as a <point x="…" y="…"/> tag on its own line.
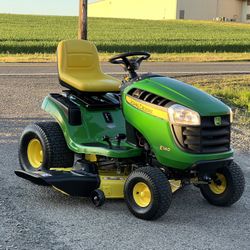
<point x="184" y="94"/>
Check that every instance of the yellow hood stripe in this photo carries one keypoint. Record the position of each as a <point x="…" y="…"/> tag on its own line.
<point x="148" y="108"/>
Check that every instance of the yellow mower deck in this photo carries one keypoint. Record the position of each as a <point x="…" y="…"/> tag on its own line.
<point x="112" y="184"/>
<point x="68" y="182"/>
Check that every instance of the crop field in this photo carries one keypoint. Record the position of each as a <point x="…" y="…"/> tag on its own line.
<point x="40" y="34"/>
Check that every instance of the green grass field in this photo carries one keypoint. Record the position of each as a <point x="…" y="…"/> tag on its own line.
<point x="40" y="34"/>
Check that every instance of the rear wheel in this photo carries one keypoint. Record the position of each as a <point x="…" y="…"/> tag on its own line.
<point x="42" y="146"/>
<point x="227" y="186"/>
<point x="148" y="193"/>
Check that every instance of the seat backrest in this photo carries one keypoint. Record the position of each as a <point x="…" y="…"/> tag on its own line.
<point x="77" y="56"/>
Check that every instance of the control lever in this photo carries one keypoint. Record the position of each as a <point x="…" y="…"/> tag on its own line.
<point x="106" y="138"/>
<point x="119" y="138"/>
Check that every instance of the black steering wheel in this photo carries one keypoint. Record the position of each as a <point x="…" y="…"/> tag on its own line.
<point x="130" y="65"/>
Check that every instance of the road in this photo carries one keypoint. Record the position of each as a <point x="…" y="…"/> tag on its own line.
<point x="33" y="217"/>
<point x="49" y="69"/>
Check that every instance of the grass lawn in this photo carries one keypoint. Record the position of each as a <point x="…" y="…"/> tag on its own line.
<point x="26" y="38"/>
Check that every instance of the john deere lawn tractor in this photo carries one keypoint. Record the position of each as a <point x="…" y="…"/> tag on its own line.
<point x="131" y="139"/>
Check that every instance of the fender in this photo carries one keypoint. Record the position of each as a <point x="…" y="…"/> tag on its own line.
<point x="77" y="133"/>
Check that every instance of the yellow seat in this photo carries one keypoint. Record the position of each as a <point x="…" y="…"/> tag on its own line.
<point x="79" y="68"/>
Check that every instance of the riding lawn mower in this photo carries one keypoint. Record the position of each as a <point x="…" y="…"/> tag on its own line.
<point x="139" y="139"/>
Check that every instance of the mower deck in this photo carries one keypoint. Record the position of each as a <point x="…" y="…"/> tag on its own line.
<point x="81" y="183"/>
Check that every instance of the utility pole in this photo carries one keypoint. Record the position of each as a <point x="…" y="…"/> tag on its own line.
<point x="217" y="9"/>
<point x="83" y="20"/>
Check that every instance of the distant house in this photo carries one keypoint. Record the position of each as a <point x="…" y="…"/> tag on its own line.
<point x="235" y="10"/>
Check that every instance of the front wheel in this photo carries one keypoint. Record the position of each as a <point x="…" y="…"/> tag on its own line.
<point x="148" y="193"/>
<point x="227" y="186"/>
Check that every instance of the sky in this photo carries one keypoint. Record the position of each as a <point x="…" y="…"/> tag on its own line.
<point x="41" y="7"/>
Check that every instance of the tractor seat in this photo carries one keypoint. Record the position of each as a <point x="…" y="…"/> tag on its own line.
<point x="79" y="68"/>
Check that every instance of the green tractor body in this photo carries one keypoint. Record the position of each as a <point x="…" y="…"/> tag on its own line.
<point x="87" y="136"/>
<point x="167" y="140"/>
<point x="132" y="142"/>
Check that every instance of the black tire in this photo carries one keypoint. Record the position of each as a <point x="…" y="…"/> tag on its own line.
<point x="56" y="153"/>
<point x="160" y="192"/>
<point x="235" y="185"/>
<point x="98" y="197"/>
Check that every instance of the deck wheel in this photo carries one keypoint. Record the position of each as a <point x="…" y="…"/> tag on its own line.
<point x="98" y="197"/>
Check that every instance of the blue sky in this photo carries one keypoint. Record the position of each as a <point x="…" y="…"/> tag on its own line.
<point x="41" y="7"/>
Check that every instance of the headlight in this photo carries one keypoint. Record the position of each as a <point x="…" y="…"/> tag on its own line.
<point x="231" y="116"/>
<point x="181" y="115"/>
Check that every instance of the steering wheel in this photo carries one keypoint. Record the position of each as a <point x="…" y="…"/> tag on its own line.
<point x="130" y="64"/>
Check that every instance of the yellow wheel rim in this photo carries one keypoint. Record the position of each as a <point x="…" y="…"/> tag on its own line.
<point x="218" y="185"/>
<point x="142" y="194"/>
<point x="35" y="153"/>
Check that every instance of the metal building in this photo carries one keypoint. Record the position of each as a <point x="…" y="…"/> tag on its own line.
<point x="235" y="10"/>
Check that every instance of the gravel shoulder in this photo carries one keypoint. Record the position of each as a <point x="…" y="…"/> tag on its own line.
<point x="33" y="217"/>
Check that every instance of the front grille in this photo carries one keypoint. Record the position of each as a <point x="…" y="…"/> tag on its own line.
<point x="207" y="138"/>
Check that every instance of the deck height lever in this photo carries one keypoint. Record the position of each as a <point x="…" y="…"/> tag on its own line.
<point x="119" y="138"/>
<point x="106" y="138"/>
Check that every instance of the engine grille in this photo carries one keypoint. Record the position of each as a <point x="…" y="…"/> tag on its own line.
<point x="148" y="97"/>
<point x="207" y="138"/>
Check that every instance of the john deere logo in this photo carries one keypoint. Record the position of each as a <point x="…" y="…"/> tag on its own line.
<point x="217" y="121"/>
